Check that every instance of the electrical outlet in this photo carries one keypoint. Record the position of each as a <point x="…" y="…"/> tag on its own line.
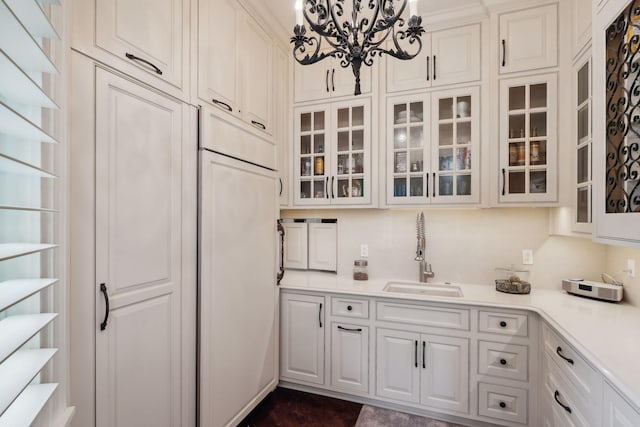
<point x="364" y="250"/>
<point x="631" y="267"/>
<point x="527" y="257"/>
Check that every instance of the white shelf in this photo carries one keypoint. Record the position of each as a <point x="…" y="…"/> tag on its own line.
<point x="14" y="291"/>
<point x="33" y="18"/>
<point x="18" y="87"/>
<point x="16" y="41"/>
<point x="12" y="123"/>
<point x="15" y="331"/>
<point x="18" y="371"/>
<point x="24" y="410"/>
<point x="13" y="250"/>
<point x="17" y="167"/>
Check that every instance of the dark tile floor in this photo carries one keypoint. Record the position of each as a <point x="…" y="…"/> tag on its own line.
<point x="291" y="408"/>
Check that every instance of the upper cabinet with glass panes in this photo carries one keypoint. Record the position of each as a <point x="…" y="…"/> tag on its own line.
<point x="432" y="148"/>
<point x="332" y="154"/>
<point x="583" y="146"/>
<point x="528" y="147"/>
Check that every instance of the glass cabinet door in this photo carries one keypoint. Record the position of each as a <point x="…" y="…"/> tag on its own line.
<point x="455" y="143"/>
<point x="407" y="159"/>
<point x="311" y="165"/>
<point x="583" y="147"/>
<point x="528" y="147"/>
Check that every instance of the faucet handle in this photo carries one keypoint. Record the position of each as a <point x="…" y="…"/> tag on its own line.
<point x="429" y="272"/>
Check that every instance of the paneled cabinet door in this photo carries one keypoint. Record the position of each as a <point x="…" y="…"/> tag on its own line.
<point x="350" y="357"/>
<point x="148" y="33"/>
<point x="302" y="329"/>
<point x="328" y="79"/>
<point x="447" y="57"/>
<point x="397" y="370"/>
<point x="528" y="147"/>
<point x="444" y="381"/>
<point x="138" y="254"/>
<point x="282" y="120"/>
<point x="311" y="168"/>
<point x="617" y="412"/>
<point x="529" y="39"/>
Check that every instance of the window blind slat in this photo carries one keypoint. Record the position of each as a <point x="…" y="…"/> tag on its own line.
<point x="17" y="372"/>
<point x="14" y="291"/>
<point x="17" y="86"/>
<point x="13" y="123"/>
<point x="33" y="18"/>
<point x="18" y="167"/>
<point x="24" y="410"/>
<point x="16" y="41"/>
<point x="15" y="331"/>
<point x="13" y="250"/>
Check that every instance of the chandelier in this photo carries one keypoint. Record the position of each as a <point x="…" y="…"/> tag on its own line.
<point x="357" y="35"/>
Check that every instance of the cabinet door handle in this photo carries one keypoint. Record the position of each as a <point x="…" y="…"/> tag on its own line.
<point x="503" y="324"/>
<point x="428" y="69"/>
<point x="144" y="61"/>
<point x="559" y="353"/>
<point x="281" y="232"/>
<point x="424" y="350"/>
<point x="224" y="104"/>
<point x="349" y="329"/>
<point x="416" y="353"/>
<point x="333" y="196"/>
<point x="320" y="315"/>
<point x="427" y="191"/>
<point x="260" y="125"/>
<point x="103" y="289"/>
<point x="281" y="187"/>
<point x="326" y="81"/>
<point x="556" y="396"/>
<point x="333" y="79"/>
<point x="434" y="184"/>
<point x="326" y="187"/>
<point x="504" y="52"/>
<point x="434" y="68"/>
<point x="504" y="180"/>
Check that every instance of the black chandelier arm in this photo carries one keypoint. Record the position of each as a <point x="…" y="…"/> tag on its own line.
<point x="375" y="5"/>
<point x="389" y="21"/>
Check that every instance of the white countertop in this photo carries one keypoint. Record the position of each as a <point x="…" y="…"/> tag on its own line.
<point x="608" y="334"/>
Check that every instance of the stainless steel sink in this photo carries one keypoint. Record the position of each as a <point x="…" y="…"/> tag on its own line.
<point x="427" y="289"/>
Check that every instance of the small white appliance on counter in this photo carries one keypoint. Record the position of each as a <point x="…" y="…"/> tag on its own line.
<point x="597" y="290"/>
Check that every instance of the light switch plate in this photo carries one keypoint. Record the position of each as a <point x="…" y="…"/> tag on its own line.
<point x="527" y="257"/>
<point x="364" y="250"/>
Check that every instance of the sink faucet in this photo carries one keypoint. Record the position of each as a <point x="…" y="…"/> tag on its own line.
<point x="425" y="268"/>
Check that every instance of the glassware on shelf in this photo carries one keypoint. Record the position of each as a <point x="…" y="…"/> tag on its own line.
<point x="319" y="166"/>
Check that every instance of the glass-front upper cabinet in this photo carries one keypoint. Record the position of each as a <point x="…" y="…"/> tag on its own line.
<point x="583" y="147"/>
<point x="616" y="74"/>
<point x="332" y="152"/>
<point x="528" y="148"/>
<point x="433" y="148"/>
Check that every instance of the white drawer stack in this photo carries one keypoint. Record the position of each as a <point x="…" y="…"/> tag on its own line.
<point x="505" y="373"/>
<point x="571" y="392"/>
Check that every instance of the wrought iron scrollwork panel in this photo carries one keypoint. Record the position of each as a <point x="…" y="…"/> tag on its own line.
<point x="623" y="112"/>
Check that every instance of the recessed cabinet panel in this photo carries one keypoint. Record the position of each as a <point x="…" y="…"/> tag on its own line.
<point x="445" y="373"/>
<point x="350" y="357"/>
<point x="295" y="245"/>
<point x="323" y="243"/>
<point x="397" y="372"/>
<point x="328" y="79"/>
<point x="529" y="39"/>
<point x="617" y="411"/>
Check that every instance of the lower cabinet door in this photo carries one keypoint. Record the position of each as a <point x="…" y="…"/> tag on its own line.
<point x="444" y="373"/>
<point x="397" y="371"/>
<point x="350" y="357"/>
<point x="617" y="412"/>
<point x="302" y="338"/>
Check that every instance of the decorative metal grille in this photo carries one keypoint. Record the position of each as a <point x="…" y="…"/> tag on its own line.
<point x="623" y="112"/>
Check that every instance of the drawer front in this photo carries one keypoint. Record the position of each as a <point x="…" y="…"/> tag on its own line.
<point x="439" y="317"/>
<point x="561" y="401"/>
<point x="503" y="360"/>
<point x="350" y="307"/>
<point x="504" y="403"/>
<point x="586" y="379"/>
<point x="504" y="323"/>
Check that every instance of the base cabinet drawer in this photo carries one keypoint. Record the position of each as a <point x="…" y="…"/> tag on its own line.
<point x="503" y="360"/>
<point x="503" y="403"/>
<point x="350" y="307"/>
<point x="503" y="323"/>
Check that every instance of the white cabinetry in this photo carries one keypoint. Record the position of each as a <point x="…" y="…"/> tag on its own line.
<point x="328" y="79"/>
<point x="332" y="154"/>
<point x="302" y="328"/>
<point x="529" y="39"/>
<point x="282" y="120"/>
<point x="447" y="57"/>
<point x="296" y="245"/>
<point x="147" y="39"/>
<point x="350" y="357"/>
<point x="323" y="243"/>
<point x="433" y="148"/>
<point x="397" y="371"/>
<point x="528" y="139"/>
<point x="233" y="44"/>
<point x="617" y="411"/>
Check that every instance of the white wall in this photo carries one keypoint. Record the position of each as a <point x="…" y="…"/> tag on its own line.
<point x="463" y="245"/>
<point x="616" y="262"/>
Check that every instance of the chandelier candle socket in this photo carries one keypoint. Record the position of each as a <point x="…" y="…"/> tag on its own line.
<point x="355" y="33"/>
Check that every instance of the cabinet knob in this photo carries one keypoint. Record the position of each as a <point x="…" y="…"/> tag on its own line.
<point x="503" y="324"/>
<point x="349" y="308"/>
<point x="503" y="362"/>
<point x="503" y="405"/>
